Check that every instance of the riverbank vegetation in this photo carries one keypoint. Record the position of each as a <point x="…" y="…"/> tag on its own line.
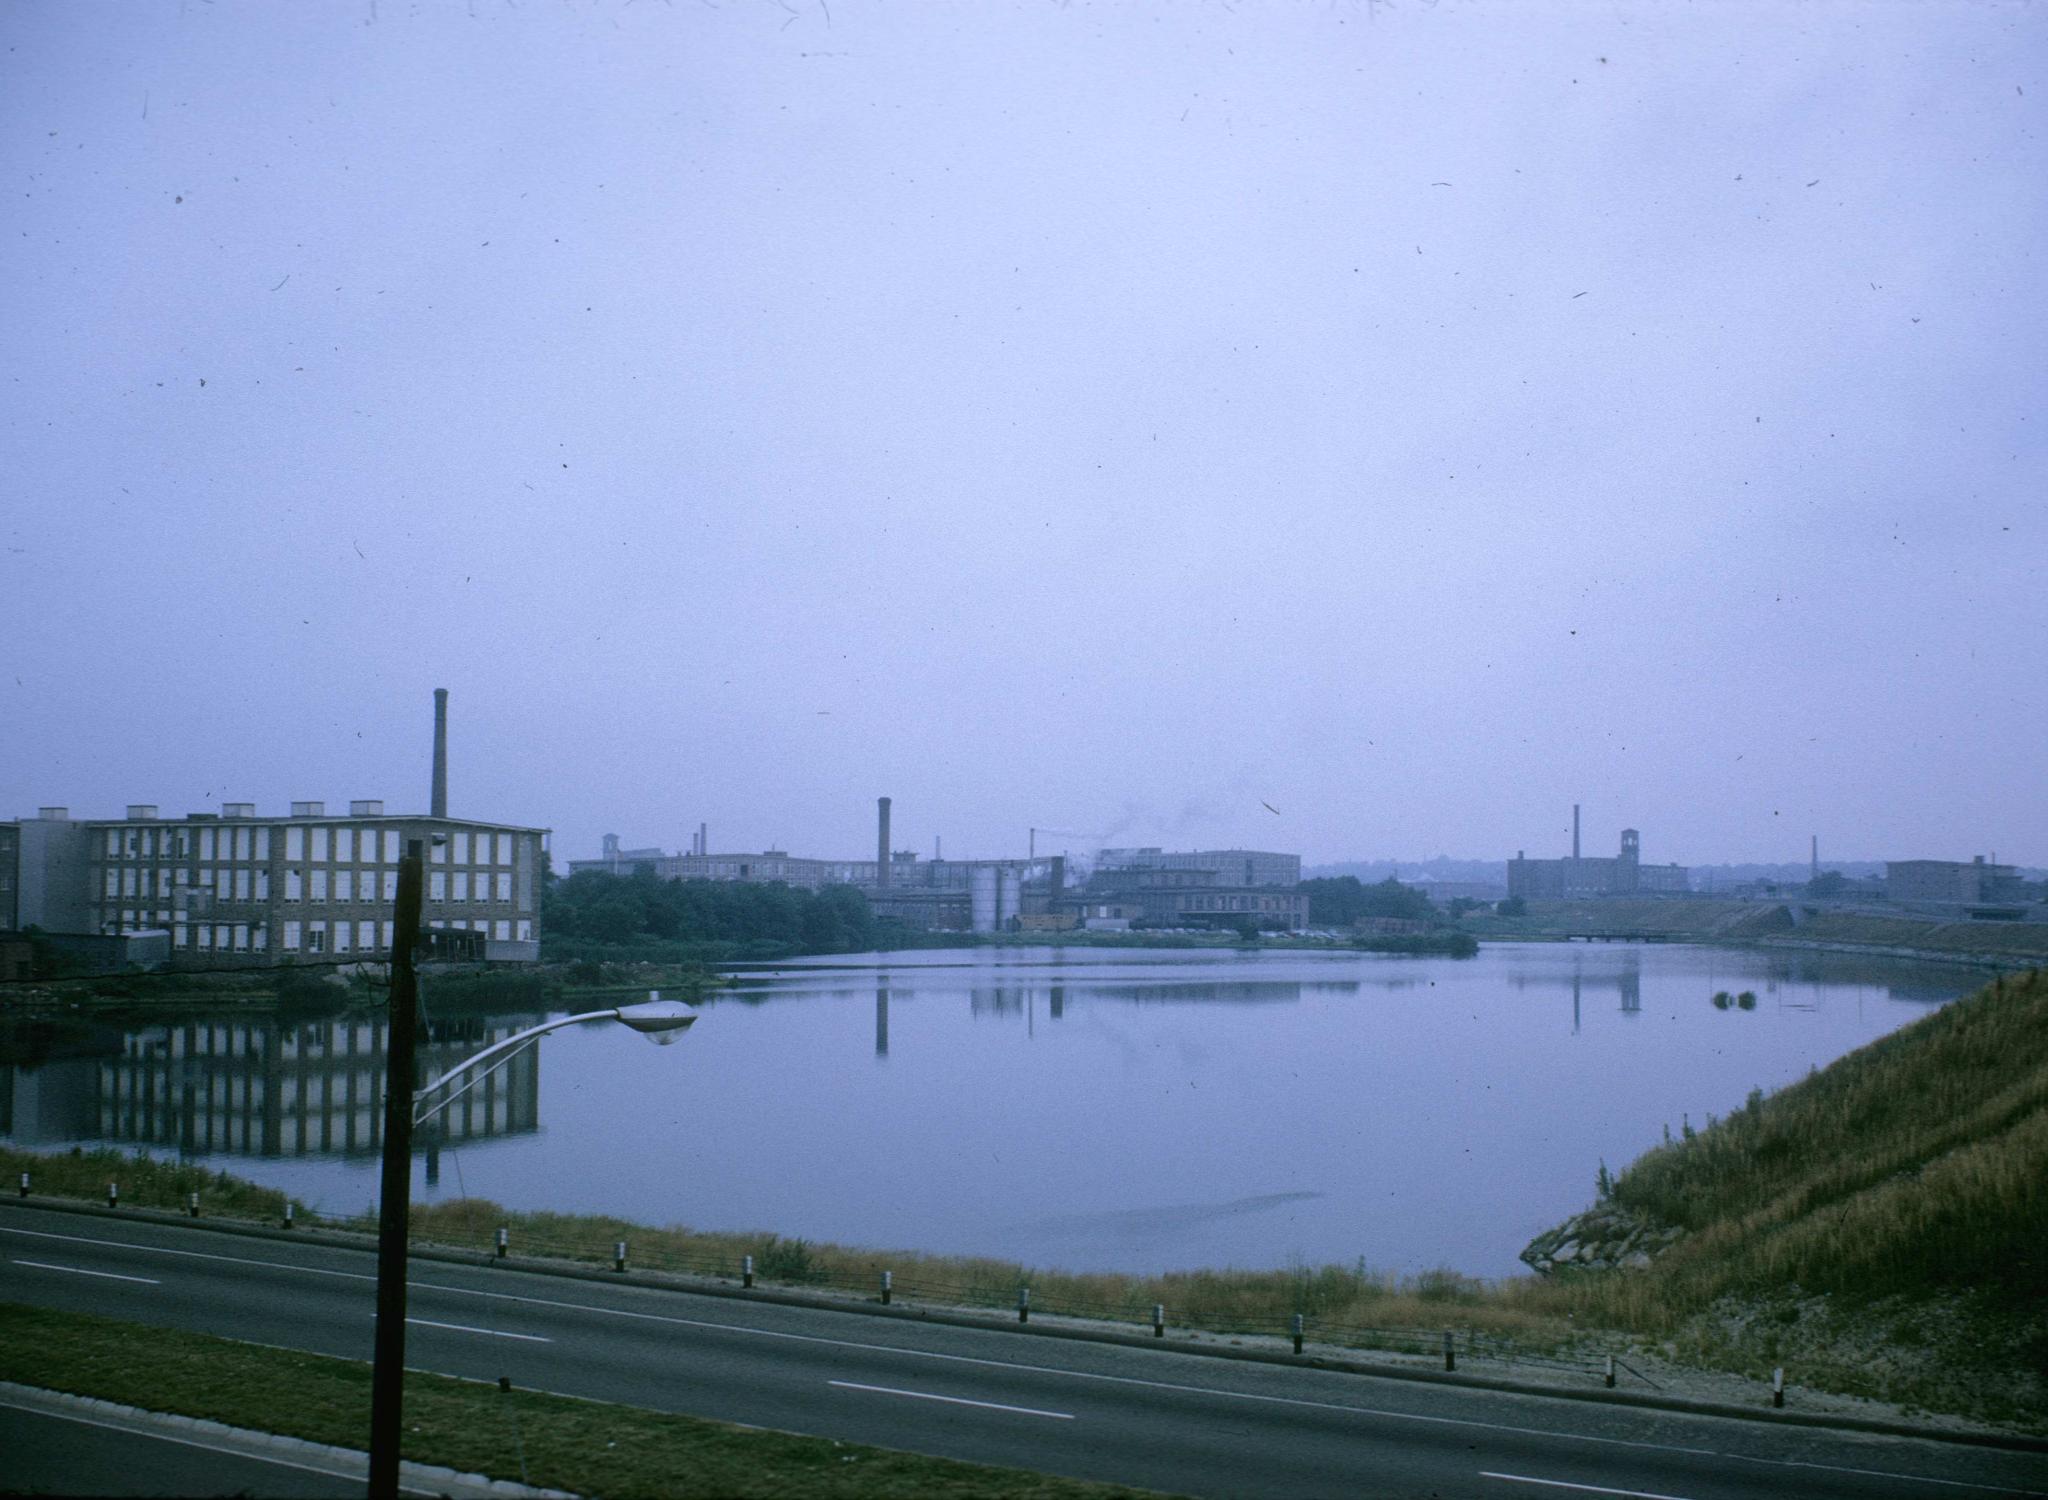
<point x="531" y="1437"/>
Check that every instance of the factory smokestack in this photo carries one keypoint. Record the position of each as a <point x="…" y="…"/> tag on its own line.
<point x="1814" y="865"/>
<point x="882" y="842"/>
<point x="439" y="803"/>
<point x="1575" y="830"/>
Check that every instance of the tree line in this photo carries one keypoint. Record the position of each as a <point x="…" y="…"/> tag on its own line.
<point x="592" y="906"/>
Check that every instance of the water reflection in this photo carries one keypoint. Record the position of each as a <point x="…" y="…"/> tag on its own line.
<point x="258" y="1086"/>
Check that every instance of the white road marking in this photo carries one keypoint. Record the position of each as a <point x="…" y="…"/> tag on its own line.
<point x="164" y="1437"/>
<point x="1001" y="1364"/>
<point x="496" y="1333"/>
<point x="1590" y="1489"/>
<point x="890" y="1390"/>
<point x="42" y="1265"/>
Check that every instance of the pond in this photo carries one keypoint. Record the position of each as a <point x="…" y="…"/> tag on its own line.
<point x="1090" y="1109"/>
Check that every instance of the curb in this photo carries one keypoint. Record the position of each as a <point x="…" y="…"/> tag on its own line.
<point x="255" y="1444"/>
<point x="949" y="1318"/>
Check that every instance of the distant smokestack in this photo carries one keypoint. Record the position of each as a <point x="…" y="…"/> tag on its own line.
<point x="439" y="804"/>
<point x="882" y="841"/>
<point x="1575" y="830"/>
<point x="1816" y="856"/>
<point x="1059" y="880"/>
<point x="703" y="838"/>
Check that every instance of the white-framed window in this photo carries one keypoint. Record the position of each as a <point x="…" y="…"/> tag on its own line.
<point x="504" y="849"/>
<point x="341" y="936"/>
<point x="502" y="931"/>
<point x="437" y="852"/>
<point x="223" y="882"/>
<point x="316" y="937"/>
<point x="294" y="885"/>
<point x="128" y="880"/>
<point x="291" y="937"/>
<point x="504" y="891"/>
<point x="205" y="935"/>
<point x="262" y="837"/>
<point x="113" y="843"/>
<point x="390" y="849"/>
<point x="366" y="935"/>
<point x="149" y="843"/>
<point x="241" y="885"/>
<point x="241" y="836"/>
<point x="461" y="885"/>
<point x="207" y="842"/>
<point x="318" y="880"/>
<point x="344" y="885"/>
<point x="295" y="842"/>
<point x="181" y="936"/>
<point x="462" y="849"/>
<point x="323" y="838"/>
<point x="524" y="928"/>
<point x="384" y="935"/>
<point x="163" y="880"/>
<point x="437" y="885"/>
<point x="262" y="885"/>
<point x="113" y="881"/>
<point x="241" y="936"/>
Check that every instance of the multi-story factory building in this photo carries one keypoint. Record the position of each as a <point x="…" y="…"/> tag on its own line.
<point x="1578" y="878"/>
<point x="235" y="885"/>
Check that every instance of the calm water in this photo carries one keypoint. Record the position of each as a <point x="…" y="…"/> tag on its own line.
<point x="1088" y="1109"/>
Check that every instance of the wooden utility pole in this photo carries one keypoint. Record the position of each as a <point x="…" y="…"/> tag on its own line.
<point x="394" y="1202"/>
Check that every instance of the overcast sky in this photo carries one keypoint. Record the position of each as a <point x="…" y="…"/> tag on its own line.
<point x="1362" y="430"/>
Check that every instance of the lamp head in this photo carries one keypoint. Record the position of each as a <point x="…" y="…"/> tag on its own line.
<point x="661" y="1021"/>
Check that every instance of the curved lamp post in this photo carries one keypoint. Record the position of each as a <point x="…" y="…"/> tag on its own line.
<point x="662" y="1021"/>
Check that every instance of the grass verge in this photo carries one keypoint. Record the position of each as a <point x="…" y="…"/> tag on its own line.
<point x="589" y="1447"/>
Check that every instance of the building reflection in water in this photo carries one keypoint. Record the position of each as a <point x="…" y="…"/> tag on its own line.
<point x="264" y="1087"/>
<point x="881" y="1018"/>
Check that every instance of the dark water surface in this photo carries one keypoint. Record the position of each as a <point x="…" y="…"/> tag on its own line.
<point x="1086" y="1108"/>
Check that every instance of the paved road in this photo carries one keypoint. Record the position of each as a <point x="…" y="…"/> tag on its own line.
<point x="1156" y="1418"/>
<point x="47" y="1453"/>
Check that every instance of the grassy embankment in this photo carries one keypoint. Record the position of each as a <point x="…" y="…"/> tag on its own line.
<point x="1883" y="1223"/>
<point x="1881" y="1226"/>
<point x="555" y="1442"/>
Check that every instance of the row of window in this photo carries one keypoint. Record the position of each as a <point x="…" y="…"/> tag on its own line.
<point x="345" y="885"/>
<point x="319" y="937"/>
<point x="323" y="842"/>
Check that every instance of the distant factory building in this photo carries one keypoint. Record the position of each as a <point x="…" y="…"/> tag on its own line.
<point x="1954" y="883"/>
<point x="1197" y="888"/>
<point x="948" y="895"/>
<point x="1578" y="877"/>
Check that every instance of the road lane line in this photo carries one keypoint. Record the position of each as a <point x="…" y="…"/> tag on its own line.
<point x="1590" y="1489"/>
<point x="496" y="1333"/>
<point x="164" y="1437"/>
<point x="1551" y="1433"/>
<point x="890" y="1390"/>
<point x="81" y="1271"/>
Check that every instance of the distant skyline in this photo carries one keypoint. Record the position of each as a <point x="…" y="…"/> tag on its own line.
<point x="1357" y="429"/>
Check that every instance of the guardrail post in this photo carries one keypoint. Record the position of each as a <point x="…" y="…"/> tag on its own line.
<point x="289" y="1210"/>
<point x="619" y="1256"/>
<point x="1610" y="1372"/>
<point x="1023" y="1304"/>
<point x="1159" y="1320"/>
<point x="24" y="1184"/>
<point x="1450" y="1352"/>
<point x="1297" y="1333"/>
<point x="887" y="1279"/>
<point x="504" y="1241"/>
<point x="113" y="1195"/>
<point x="746" y="1270"/>
<point x="1778" y="1386"/>
<point x="192" y="1205"/>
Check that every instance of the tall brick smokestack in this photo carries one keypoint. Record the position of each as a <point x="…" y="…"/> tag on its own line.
<point x="882" y="842"/>
<point x="439" y="806"/>
<point x="1575" y="830"/>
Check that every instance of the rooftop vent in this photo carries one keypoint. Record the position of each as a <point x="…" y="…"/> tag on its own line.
<point x="142" y="812"/>
<point x="238" y="809"/>
<point x="53" y="814"/>
<point x="309" y="809"/>
<point x="366" y="807"/>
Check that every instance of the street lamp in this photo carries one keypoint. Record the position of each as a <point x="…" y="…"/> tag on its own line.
<point x="661" y="1021"/>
